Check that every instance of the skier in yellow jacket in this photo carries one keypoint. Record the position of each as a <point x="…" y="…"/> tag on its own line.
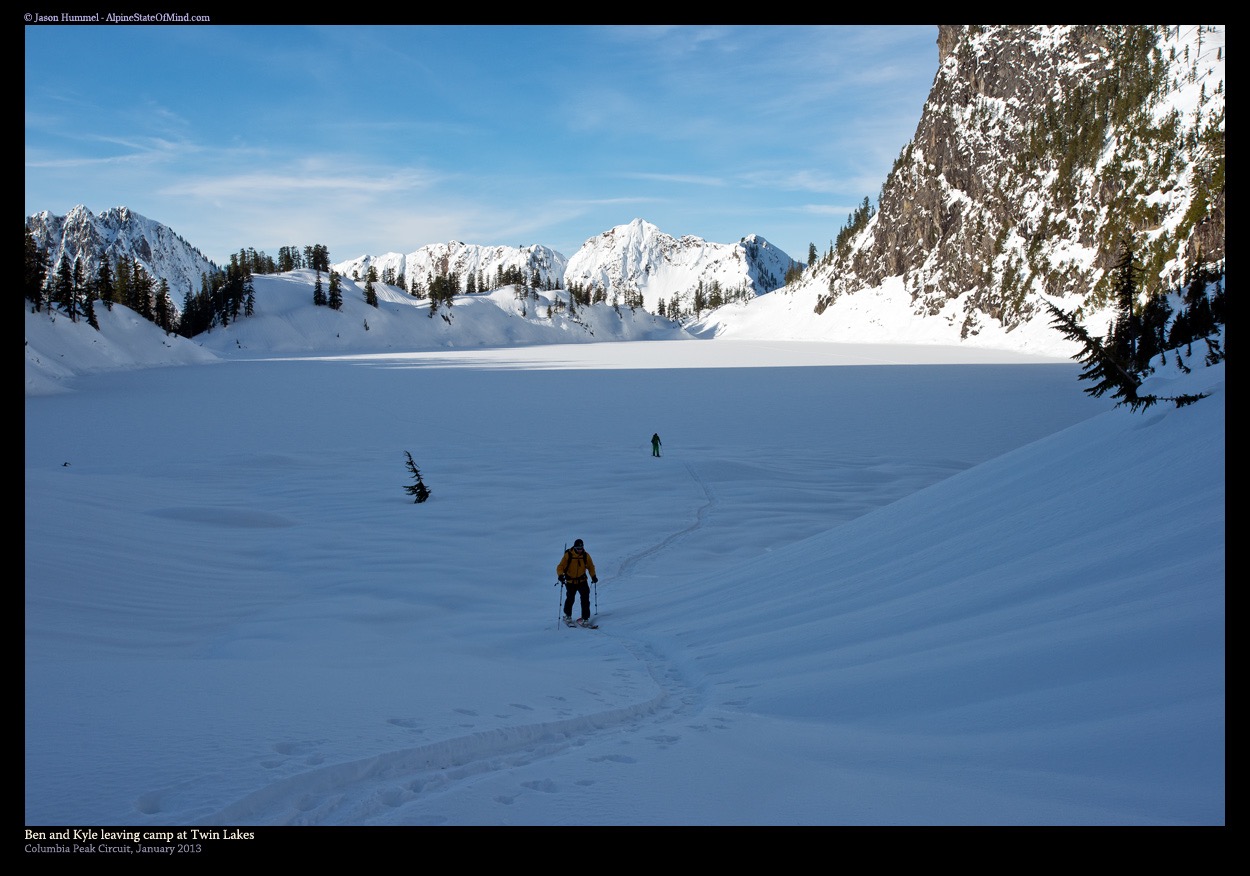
<point x="572" y="570"/>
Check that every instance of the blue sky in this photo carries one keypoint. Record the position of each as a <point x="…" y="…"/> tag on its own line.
<point x="370" y="139"/>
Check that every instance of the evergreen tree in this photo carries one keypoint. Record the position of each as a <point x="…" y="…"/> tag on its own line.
<point x="1218" y="302"/>
<point x="1126" y="329"/>
<point x="1102" y="365"/>
<point x="187" y="303"/>
<point x="164" y="307"/>
<point x="320" y="258"/>
<point x="371" y="295"/>
<point x="35" y="271"/>
<point x="121" y="276"/>
<point x="1202" y="313"/>
<point x="1111" y="373"/>
<point x="855" y="222"/>
<point x="716" y="296"/>
<point x="141" y="290"/>
<point x="63" y="293"/>
<point x="81" y="289"/>
<point x="88" y="310"/>
<point x="417" y="490"/>
<point x="319" y="295"/>
<point x="104" y="283"/>
<point x="1152" y="332"/>
<point x="236" y="294"/>
<point x="335" y="299"/>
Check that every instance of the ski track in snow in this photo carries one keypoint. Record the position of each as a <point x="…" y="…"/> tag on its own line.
<point x="365" y="791"/>
<point x="700" y="516"/>
<point x="376" y="789"/>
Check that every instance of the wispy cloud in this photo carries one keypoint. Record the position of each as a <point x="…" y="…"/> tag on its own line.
<point x="684" y="179"/>
<point x="314" y="178"/>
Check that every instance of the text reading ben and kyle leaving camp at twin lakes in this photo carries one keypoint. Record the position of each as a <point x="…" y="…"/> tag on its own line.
<point x="74" y="840"/>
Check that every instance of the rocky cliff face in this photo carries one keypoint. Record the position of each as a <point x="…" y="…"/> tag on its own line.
<point x="1041" y="153"/>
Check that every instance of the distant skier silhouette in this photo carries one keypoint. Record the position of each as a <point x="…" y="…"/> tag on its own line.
<point x="655" y="444"/>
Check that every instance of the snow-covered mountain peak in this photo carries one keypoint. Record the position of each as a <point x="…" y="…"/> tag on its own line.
<point x="119" y="235"/>
<point x="676" y="276"/>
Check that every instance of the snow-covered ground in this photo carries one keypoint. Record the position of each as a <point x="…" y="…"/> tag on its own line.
<point x="864" y="584"/>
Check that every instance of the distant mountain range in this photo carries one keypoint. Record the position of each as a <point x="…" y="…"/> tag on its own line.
<point x="636" y="258"/>
<point x="1044" y="155"/>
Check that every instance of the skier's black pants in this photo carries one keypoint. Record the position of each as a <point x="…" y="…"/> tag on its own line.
<point x="580" y="587"/>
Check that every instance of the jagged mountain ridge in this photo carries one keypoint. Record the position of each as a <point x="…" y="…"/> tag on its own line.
<point x="121" y="233"/>
<point x="634" y="258"/>
<point x="639" y="258"/>
<point x="1040" y="150"/>
<point x="484" y="263"/>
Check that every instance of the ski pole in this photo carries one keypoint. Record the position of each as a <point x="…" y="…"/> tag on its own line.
<point x="560" y="584"/>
